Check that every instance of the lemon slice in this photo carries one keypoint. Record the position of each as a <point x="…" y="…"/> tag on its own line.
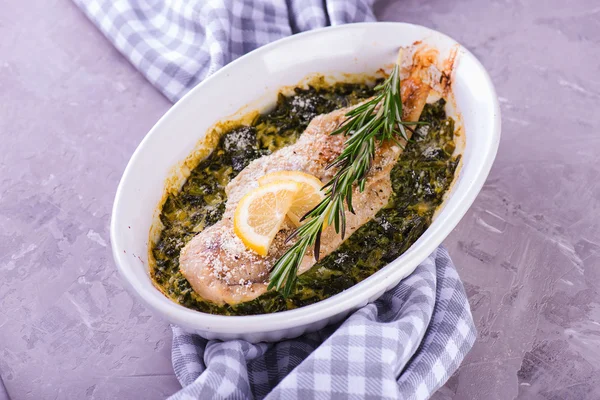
<point x="308" y="197"/>
<point x="260" y="213"/>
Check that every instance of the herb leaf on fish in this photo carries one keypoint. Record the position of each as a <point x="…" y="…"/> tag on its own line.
<point x="370" y="124"/>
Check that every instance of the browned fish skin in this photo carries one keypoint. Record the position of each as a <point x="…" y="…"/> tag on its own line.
<point x="217" y="264"/>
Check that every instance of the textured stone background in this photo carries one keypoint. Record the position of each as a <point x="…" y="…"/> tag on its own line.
<point x="72" y="111"/>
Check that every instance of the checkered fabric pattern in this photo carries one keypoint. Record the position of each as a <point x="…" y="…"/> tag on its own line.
<point x="403" y="346"/>
<point x="178" y="43"/>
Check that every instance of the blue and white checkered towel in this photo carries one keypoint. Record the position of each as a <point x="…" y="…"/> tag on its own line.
<point x="178" y="43"/>
<point x="403" y="346"/>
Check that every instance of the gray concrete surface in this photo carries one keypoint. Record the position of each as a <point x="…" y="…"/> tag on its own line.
<point x="72" y="111"/>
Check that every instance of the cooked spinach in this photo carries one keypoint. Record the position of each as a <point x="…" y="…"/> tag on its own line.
<point x="419" y="180"/>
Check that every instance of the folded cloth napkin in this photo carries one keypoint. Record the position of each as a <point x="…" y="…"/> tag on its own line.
<point x="178" y="43"/>
<point x="407" y="343"/>
<point x="403" y="346"/>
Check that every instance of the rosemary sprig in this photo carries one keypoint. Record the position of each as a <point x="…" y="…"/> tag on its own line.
<point x="366" y="126"/>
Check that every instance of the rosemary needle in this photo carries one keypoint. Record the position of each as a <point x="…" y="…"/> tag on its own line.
<point x="366" y="126"/>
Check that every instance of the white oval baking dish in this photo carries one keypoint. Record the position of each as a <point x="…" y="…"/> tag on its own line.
<point x="255" y="79"/>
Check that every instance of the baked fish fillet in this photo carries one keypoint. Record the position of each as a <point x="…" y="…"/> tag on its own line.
<point x="218" y="265"/>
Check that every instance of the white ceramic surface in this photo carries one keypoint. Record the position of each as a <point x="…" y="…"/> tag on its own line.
<point x="255" y="79"/>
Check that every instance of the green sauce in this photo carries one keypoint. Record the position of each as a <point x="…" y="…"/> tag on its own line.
<point x="421" y="177"/>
